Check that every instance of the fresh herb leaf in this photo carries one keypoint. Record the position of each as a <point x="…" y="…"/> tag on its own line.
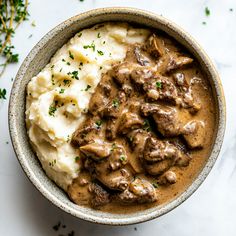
<point x="101" y="53"/>
<point x="52" y="110"/>
<point x="79" y="34"/>
<point x="99" y="123"/>
<point x="62" y="91"/>
<point x="99" y="35"/>
<point x="87" y="88"/>
<point x="146" y="125"/>
<point x="159" y="84"/>
<point x="155" y="185"/>
<point x="77" y="158"/>
<point x="3" y="93"/>
<point x="74" y="74"/>
<point x="116" y="103"/>
<point x="122" y="158"/>
<point x="66" y="82"/>
<point x="71" y="55"/>
<point x="207" y="11"/>
<point x="92" y="45"/>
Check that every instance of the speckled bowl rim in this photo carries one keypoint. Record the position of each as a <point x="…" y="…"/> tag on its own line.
<point x="124" y="219"/>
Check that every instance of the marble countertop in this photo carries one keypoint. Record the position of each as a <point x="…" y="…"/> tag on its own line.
<point x="210" y="211"/>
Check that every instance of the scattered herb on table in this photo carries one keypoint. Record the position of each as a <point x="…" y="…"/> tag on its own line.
<point x="12" y="14"/>
<point x="3" y="93"/>
<point x="207" y="11"/>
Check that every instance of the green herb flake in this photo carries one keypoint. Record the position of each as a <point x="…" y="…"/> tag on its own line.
<point x="207" y="11"/>
<point x="77" y="159"/>
<point x="99" y="123"/>
<point x="3" y="93"/>
<point x="123" y="158"/>
<point x="74" y="74"/>
<point x="67" y="82"/>
<point x="87" y="88"/>
<point x="71" y="55"/>
<point x="68" y="63"/>
<point x="62" y="91"/>
<point x="116" y="103"/>
<point x="101" y="53"/>
<point x="204" y="22"/>
<point x="92" y="46"/>
<point x="113" y="147"/>
<point x="99" y="35"/>
<point x="79" y="34"/>
<point x="155" y="185"/>
<point x="52" y="110"/>
<point x="146" y="125"/>
<point x="159" y="84"/>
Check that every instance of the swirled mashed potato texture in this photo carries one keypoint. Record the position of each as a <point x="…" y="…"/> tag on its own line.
<point x="58" y="97"/>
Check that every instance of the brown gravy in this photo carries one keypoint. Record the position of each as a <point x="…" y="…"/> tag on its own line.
<point x="148" y="132"/>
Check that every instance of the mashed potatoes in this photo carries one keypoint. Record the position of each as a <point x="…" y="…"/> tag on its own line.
<point x="58" y="97"/>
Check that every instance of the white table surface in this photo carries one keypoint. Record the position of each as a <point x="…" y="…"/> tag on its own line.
<point x="211" y="210"/>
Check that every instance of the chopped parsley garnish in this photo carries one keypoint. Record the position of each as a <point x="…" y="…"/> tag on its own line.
<point x="68" y="63"/>
<point x="204" y="22"/>
<point x="79" y="34"/>
<point x="3" y="93"/>
<point x="100" y="67"/>
<point x="155" y="185"/>
<point x="99" y="35"/>
<point x="77" y="158"/>
<point x="66" y="82"/>
<point x="62" y="91"/>
<point x="207" y="11"/>
<point x="52" y="163"/>
<point x="146" y="125"/>
<point x="113" y="147"/>
<point x="92" y="45"/>
<point x="104" y="42"/>
<point x="63" y="60"/>
<point x="159" y="84"/>
<point x="71" y="55"/>
<point x="52" y="110"/>
<point x="74" y="74"/>
<point x="101" y="53"/>
<point x="87" y="88"/>
<point x="122" y="158"/>
<point x="99" y="123"/>
<point x="115" y="103"/>
<point x="52" y="66"/>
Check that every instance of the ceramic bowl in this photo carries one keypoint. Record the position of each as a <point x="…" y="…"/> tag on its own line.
<point x="40" y="56"/>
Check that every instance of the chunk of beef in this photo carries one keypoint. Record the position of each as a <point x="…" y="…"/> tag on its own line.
<point x="160" y="87"/>
<point x="99" y="196"/>
<point x="177" y="61"/>
<point x="165" y="117"/>
<point x="85" y="134"/>
<point x="194" y="133"/>
<point x="140" y="76"/>
<point x="169" y="177"/>
<point x="118" y="157"/>
<point x="111" y="129"/>
<point x="115" y="180"/>
<point x="139" y="191"/>
<point x="155" y="46"/>
<point x="96" y="151"/>
<point x="167" y="122"/>
<point x="121" y="73"/>
<point x="156" y="150"/>
<point x="97" y="102"/>
<point x="140" y="57"/>
<point x="129" y="122"/>
<point x="158" y="168"/>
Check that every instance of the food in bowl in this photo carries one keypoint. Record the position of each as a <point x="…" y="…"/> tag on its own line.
<point x="121" y="115"/>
